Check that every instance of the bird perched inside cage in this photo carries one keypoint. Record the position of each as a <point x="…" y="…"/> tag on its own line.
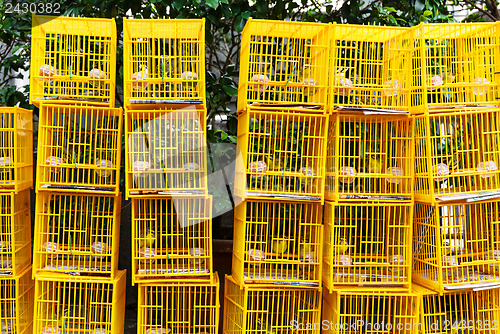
<point x="263" y="325"/>
<point x="147" y="239"/>
<point x="374" y="165"/>
<point x="274" y="162"/>
<point x="279" y="246"/>
<point x="341" y="246"/>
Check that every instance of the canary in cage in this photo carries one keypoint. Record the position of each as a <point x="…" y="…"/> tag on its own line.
<point x="341" y="246"/>
<point x="147" y="238"/>
<point x="279" y="246"/>
<point x="374" y="165"/>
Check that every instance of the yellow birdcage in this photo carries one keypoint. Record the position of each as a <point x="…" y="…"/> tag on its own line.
<point x="278" y="243"/>
<point x="179" y="307"/>
<point x="369" y="157"/>
<point x="367" y="244"/>
<point x="365" y="311"/>
<point x="16" y="149"/>
<point x="371" y="67"/>
<point x="165" y="151"/>
<point x="284" y="63"/>
<point x="456" y="245"/>
<point x="76" y="233"/>
<point x="463" y="311"/>
<point x="171" y="237"/>
<point x="79" y="148"/>
<point x="457" y="154"/>
<point x="455" y="65"/>
<point x="15" y="232"/>
<point x="69" y="304"/>
<point x="164" y="61"/>
<point x="283" y="155"/>
<point x="254" y="308"/>
<point x="73" y="59"/>
<point x="16" y="303"/>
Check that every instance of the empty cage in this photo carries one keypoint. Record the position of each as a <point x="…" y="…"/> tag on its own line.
<point x="270" y="309"/>
<point x="455" y="245"/>
<point x="369" y="157"/>
<point x="284" y="63"/>
<point x="16" y="149"/>
<point x="278" y="243"/>
<point x="179" y="307"/>
<point x="367" y="244"/>
<point x="166" y="151"/>
<point x="455" y="65"/>
<point x="457" y="154"/>
<point x="16" y="303"/>
<point x="73" y="59"/>
<point x="164" y="61"/>
<point x="76" y="233"/>
<point x="283" y="155"/>
<point x="171" y="237"/>
<point x="371" y="67"/>
<point x="68" y="304"/>
<point x="79" y="148"/>
<point x="15" y="232"/>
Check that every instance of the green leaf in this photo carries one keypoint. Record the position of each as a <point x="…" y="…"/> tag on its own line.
<point x="239" y="23"/>
<point x="223" y="135"/>
<point x="232" y="139"/>
<point x="212" y="3"/>
<point x="246" y="15"/>
<point x="231" y="90"/>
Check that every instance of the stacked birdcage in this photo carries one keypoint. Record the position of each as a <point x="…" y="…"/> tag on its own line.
<point x="369" y="182"/>
<point x="280" y="177"/>
<point x="16" y="179"/>
<point x="166" y="175"/>
<point x="78" y="204"/>
<point x="457" y="137"/>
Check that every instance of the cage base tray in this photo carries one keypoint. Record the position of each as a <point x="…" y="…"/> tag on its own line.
<point x="373" y="111"/>
<point x="151" y="101"/>
<point x="283" y="196"/>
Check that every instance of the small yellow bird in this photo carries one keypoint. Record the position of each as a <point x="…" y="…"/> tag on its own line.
<point x="261" y="325"/>
<point x="341" y="246"/>
<point x="447" y="77"/>
<point x="147" y="239"/>
<point x="280" y="246"/>
<point x="274" y="163"/>
<point x="63" y="318"/>
<point x="447" y="250"/>
<point x="374" y="165"/>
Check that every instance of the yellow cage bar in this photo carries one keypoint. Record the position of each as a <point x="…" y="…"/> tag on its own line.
<point x="367" y="244"/>
<point x="284" y="63"/>
<point x="16" y="303"/>
<point x="369" y="157"/>
<point x="455" y="64"/>
<point x="171" y="237"/>
<point x="371" y="67"/>
<point x="73" y="59"/>
<point x="165" y="151"/>
<point x="179" y="307"/>
<point x="456" y="245"/>
<point x="282" y="155"/>
<point x="16" y="149"/>
<point x="463" y="311"/>
<point x="457" y="154"/>
<point x="164" y="61"/>
<point x="79" y="148"/>
<point x="15" y="232"/>
<point x="68" y="304"/>
<point x="278" y="243"/>
<point x="259" y="309"/>
<point x="76" y="233"/>
<point x="367" y="311"/>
